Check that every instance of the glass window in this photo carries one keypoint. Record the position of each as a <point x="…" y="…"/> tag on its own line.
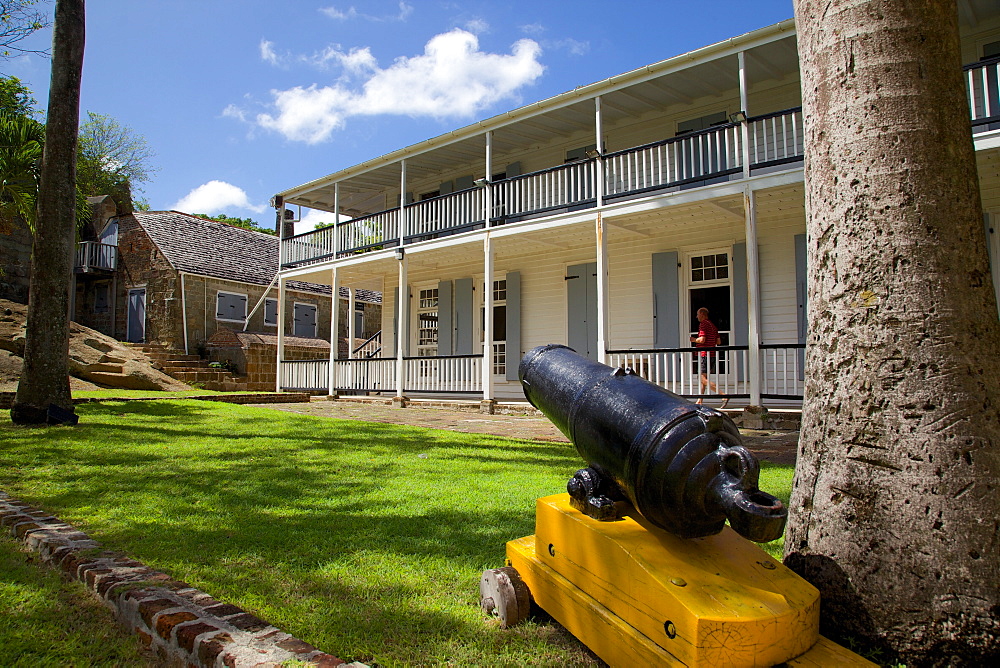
<point x="710" y="267"/>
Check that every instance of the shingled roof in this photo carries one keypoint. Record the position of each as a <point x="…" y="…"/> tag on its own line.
<point x="209" y="248"/>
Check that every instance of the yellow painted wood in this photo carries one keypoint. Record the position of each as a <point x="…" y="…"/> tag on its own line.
<point x="725" y="601"/>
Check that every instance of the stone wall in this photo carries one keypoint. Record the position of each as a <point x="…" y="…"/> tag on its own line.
<point x="201" y="296"/>
<point x="15" y="261"/>
<point x="141" y="264"/>
<point x="372" y="318"/>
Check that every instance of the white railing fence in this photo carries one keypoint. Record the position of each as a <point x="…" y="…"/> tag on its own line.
<point x="370" y="232"/>
<point x="981" y="81"/>
<point x="366" y="375"/>
<point x="554" y="188"/>
<point x="305" y="374"/>
<point x="690" y="157"/>
<point x="431" y="217"/>
<point x="459" y="373"/>
<point x="678" y="369"/>
<point x="92" y="255"/>
<point x="783" y="371"/>
<point x="776" y="137"/>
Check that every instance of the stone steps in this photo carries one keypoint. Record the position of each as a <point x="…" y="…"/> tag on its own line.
<point x="191" y="369"/>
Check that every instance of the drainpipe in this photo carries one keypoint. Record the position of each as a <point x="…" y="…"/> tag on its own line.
<point x="184" y="314"/>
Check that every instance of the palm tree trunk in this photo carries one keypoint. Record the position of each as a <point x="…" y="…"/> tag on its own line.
<point x="45" y="377"/>
<point x="895" y="509"/>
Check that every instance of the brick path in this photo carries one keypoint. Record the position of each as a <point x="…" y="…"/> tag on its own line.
<point x="773" y="445"/>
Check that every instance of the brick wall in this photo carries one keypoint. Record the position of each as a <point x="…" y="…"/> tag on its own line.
<point x="255" y="355"/>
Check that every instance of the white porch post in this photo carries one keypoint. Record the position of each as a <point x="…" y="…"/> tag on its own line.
<point x="744" y="125"/>
<point x="402" y="202"/>
<point x="402" y="325"/>
<point x="599" y="129"/>
<point x="488" y="191"/>
<point x="753" y="262"/>
<point x="351" y="324"/>
<point x="336" y="219"/>
<point x="334" y="330"/>
<point x="602" y="290"/>
<point x="602" y="241"/>
<point x="488" y="319"/>
<point x="281" y="333"/>
<point x="753" y="296"/>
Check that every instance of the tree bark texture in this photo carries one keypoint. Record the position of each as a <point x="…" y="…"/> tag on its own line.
<point x="45" y="375"/>
<point x="895" y="508"/>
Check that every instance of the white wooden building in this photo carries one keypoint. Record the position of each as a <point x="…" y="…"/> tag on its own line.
<point x="602" y="218"/>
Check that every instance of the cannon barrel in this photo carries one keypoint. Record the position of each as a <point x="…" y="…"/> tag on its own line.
<point x="681" y="465"/>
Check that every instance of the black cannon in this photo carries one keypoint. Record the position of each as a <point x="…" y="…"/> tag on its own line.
<point x="681" y="465"/>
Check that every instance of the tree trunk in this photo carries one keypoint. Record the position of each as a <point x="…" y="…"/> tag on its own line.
<point x="45" y="377"/>
<point x="895" y="509"/>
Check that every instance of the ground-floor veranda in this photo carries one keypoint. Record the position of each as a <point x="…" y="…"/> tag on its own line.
<point x="620" y="284"/>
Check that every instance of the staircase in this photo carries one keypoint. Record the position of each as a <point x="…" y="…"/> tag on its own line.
<point x="191" y="369"/>
<point x="109" y="370"/>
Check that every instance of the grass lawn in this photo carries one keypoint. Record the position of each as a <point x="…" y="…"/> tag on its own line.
<point x="46" y="620"/>
<point x="366" y="540"/>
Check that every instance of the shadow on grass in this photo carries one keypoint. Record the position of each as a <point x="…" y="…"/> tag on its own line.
<point x="344" y="533"/>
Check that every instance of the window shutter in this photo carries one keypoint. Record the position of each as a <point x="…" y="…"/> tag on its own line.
<point x="270" y="312"/>
<point x="801" y="297"/>
<point x="446" y="188"/>
<point x="513" y="169"/>
<point x="463" y="183"/>
<point x="666" y="301"/>
<point x="445" y="319"/>
<point x="741" y="309"/>
<point x="513" y="323"/>
<point x="222" y="306"/>
<point x="463" y="317"/>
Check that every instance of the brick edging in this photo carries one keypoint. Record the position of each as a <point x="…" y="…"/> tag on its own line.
<point x="176" y="621"/>
<point x="7" y="398"/>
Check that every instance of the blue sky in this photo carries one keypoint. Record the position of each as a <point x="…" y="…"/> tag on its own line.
<point x="240" y="99"/>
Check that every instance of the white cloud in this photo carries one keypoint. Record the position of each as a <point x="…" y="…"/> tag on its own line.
<point x="405" y="11"/>
<point x="533" y="29"/>
<point x="216" y="197"/>
<point x="477" y="26"/>
<point x="574" y="46"/>
<point x="267" y="52"/>
<point x="452" y="78"/>
<point x="339" y="15"/>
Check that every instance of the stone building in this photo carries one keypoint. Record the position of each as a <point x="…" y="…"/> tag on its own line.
<point x="175" y="279"/>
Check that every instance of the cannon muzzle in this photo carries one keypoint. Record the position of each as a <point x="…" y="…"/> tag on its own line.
<point x="681" y="465"/>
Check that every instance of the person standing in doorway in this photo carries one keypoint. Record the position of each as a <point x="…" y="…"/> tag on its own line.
<point x="708" y="337"/>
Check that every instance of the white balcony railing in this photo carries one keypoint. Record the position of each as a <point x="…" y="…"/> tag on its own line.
<point x="305" y="374"/>
<point x="981" y="81"/>
<point x="776" y="138"/>
<point x="451" y="374"/>
<point x="556" y="188"/>
<point x="447" y="213"/>
<point x="93" y="255"/>
<point x="374" y="232"/>
<point x="705" y="154"/>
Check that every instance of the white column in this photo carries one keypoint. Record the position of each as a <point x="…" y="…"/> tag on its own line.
<point x="281" y="331"/>
<point x="351" y="324"/>
<point x="402" y="325"/>
<point x="488" y="194"/>
<point x="599" y="129"/>
<point x="334" y="330"/>
<point x="753" y="296"/>
<point x="745" y="125"/>
<point x="402" y="202"/>
<point x="488" y="318"/>
<point x="602" y="289"/>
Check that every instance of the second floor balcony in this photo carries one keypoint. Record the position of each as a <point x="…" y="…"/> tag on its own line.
<point x="93" y="256"/>
<point x="718" y="153"/>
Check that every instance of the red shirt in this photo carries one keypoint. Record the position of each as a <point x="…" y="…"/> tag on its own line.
<point x="709" y="334"/>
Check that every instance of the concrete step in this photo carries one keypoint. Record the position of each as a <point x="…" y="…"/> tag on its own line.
<point x="179" y="364"/>
<point x="167" y="355"/>
<point x="201" y="376"/>
<point x="109" y="359"/>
